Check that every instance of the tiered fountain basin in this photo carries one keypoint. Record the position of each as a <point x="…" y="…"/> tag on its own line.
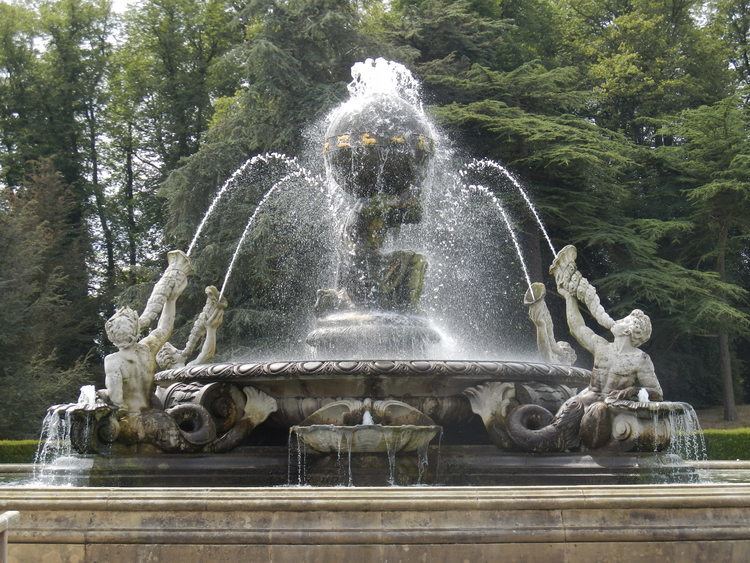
<point x="435" y="387"/>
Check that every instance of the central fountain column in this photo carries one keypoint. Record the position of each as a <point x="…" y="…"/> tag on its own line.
<point x="378" y="151"/>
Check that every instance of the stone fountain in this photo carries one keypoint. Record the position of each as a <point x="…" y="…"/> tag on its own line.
<point x="378" y="399"/>
<point x="378" y="148"/>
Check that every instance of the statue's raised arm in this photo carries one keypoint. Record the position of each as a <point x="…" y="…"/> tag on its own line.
<point x="129" y="372"/>
<point x="204" y="328"/>
<point x="570" y="281"/>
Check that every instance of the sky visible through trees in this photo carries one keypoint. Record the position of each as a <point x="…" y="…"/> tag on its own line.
<point x="626" y="119"/>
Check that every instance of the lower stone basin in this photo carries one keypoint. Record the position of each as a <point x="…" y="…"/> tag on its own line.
<point x="365" y="438"/>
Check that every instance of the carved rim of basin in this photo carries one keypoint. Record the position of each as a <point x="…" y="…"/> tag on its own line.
<point x="373" y="377"/>
<point x="339" y="426"/>
<point x="365" y="438"/>
<point x="650" y="408"/>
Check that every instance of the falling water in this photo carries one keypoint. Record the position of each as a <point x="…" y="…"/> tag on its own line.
<point x="55" y="442"/>
<point x="249" y="164"/>
<point x="423" y="461"/>
<point x="391" y="451"/>
<point x="687" y="435"/>
<point x="349" y="437"/>
<point x="289" y="457"/>
<point x="487" y="163"/>
<point x="52" y="441"/>
<point x="299" y="461"/>
<point x="437" y="463"/>
<point x="247" y="230"/>
<point x="483" y="190"/>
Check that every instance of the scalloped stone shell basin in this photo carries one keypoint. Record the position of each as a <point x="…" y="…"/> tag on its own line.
<point x="433" y="386"/>
<point x="365" y="438"/>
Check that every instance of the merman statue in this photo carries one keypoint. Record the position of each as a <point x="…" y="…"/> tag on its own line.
<point x="129" y="372"/>
<point x="620" y="371"/>
<point x="137" y="416"/>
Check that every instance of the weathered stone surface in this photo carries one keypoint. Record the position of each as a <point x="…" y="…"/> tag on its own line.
<point x="6" y="518"/>
<point x="367" y="426"/>
<point x="384" y="378"/>
<point x="698" y="522"/>
<point x="621" y="372"/>
<point x="550" y="350"/>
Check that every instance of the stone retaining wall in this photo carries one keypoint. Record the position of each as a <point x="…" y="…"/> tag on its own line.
<point x="599" y="523"/>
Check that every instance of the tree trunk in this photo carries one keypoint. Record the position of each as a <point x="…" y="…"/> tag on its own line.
<point x="100" y="201"/>
<point x="725" y="360"/>
<point x="727" y="382"/>
<point x="129" y="203"/>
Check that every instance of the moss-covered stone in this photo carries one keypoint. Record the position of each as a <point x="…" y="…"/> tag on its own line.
<point x="402" y="281"/>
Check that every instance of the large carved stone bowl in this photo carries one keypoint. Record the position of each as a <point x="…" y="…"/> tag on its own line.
<point x="434" y="387"/>
<point x="365" y="438"/>
<point x="393" y="427"/>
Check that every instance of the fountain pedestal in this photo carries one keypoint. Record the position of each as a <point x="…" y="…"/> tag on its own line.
<point x="344" y="334"/>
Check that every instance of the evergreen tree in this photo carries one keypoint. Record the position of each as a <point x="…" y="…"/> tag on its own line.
<point x="712" y="161"/>
<point x="41" y="326"/>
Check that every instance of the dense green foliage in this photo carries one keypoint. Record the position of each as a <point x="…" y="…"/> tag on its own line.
<point x="729" y="444"/>
<point x="626" y="119"/>
<point x="18" y="451"/>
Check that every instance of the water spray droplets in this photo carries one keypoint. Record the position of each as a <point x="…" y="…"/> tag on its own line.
<point x="248" y="165"/>
<point x="485" y="164"/>
<point x="488" y="193"/>
<point x="384" y="78"/>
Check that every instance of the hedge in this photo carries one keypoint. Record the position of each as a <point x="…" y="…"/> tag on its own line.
<point x="732" y="443"/>
<point x="17" y="451"/>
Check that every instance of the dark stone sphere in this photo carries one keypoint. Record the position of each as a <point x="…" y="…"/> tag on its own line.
<point x="382" y="145"/>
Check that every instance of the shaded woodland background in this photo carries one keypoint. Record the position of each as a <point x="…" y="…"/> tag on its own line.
<point x="628" y="120"/>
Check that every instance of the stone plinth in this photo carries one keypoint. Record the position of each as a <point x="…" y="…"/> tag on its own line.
<point x="5" y="520"/>
<point x="696" y="522"/>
